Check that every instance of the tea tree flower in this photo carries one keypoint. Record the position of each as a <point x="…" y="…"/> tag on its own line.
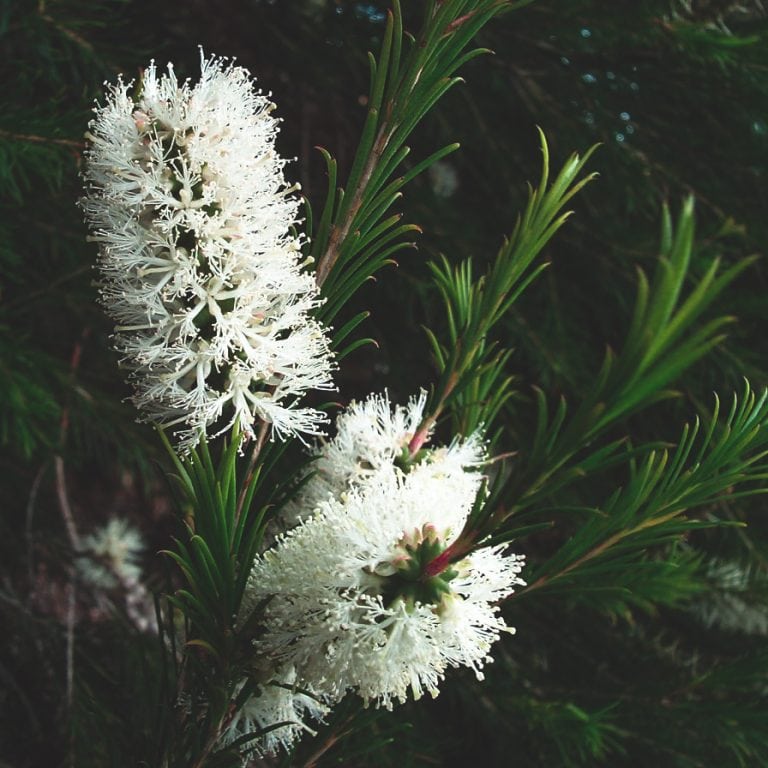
<point x="278" y="702"/>
<point x="350" y="603"/>
<point x="373" y="435"/>
<point x="200" y="269"/>
<point x="350" y="596"/>
<point x="111" y="555"/>
<point x="109" y="561"/>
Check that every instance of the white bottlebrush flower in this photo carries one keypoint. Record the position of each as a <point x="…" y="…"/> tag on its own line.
<point x="109" y="558"/>
<point x="370" y="436"/>
<point x="348" y="596"/>
<point x="111" y="555"/>
<point x="278" y="701"/>
<point x="186" y="197"/>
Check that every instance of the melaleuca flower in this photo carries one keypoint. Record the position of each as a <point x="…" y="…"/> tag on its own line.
<point x="278" y="701"/>
<point x="187" y="200"/>
<point x="111" y="555"/>
<point x="372" y="435"/>
<point x="109" y="560"/>
<point x="350" y="596"/>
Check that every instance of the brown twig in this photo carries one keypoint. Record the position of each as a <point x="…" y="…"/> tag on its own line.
<point x="594" y="552"/>
<point x="339" y="232"/>
<point x="35" y="139"/>
<point x="422" y="432"/>
<point x="64" y="505"/>
<point x="30" y="511"/>
<point x="71" y="605"/>
<point x="73" y="36"/>
<point x="260" y="440"/>
<point x="213" y="739"/>
<point x="71" y="528"/>
<point x="61" y="479"/>
<point x="311" y="761"/>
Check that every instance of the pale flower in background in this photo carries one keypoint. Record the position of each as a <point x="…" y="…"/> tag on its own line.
<point x="111" y="555"/>
<point x="443" y="178"/>
<point x="200" y="267"/>
<point x="109" y="561"/>
<point x="735" y="601"/>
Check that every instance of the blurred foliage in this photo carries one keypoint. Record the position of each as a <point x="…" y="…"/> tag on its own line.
<point x="672" y="670"/>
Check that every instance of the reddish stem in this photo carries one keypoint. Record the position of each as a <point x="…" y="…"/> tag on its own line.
<point x="420" y="437"/>
<point x="449" y="555"/>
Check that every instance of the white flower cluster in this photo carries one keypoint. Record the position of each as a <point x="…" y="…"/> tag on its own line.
<point x="186" y="198"/>
<point x="350" y="601"/>
<point x="373" y="437"/>
<point x="277" y="701"/>
<point x="111" y="555"/>
<point x="109" y="559"/>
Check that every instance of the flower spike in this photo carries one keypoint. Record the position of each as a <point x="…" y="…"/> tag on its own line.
<point x="200" y="270"/>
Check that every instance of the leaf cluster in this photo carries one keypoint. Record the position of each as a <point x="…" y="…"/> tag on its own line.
<point x="223" y="536"/>
<point x="474" y="383"/>
<point x="662" y="342"/>
<point x="356" y="235"/>
<point x="728" y="458"/>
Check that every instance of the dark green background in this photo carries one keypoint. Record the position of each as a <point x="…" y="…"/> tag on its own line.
<point x="677" y="94"/>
